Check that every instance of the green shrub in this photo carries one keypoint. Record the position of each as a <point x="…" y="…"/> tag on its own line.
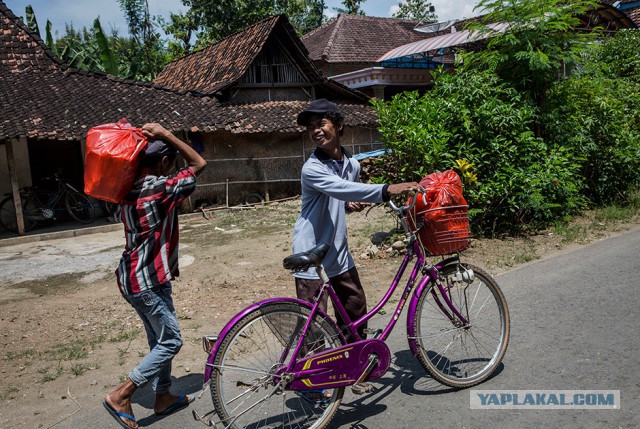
<point x="513" y="181"/>
<point x="595" y="113"/>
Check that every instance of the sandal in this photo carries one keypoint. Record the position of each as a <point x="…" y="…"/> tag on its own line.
<point x="317" y="397"/>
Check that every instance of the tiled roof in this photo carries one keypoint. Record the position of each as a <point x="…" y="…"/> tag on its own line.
<point x="219" y="65"/>
<point x="359" y="38"/>
<point x="634" y="14"/>
<point x="280" y="116"/>
<point x="45" y="99"/>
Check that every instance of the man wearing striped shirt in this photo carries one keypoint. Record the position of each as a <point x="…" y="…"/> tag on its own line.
<point x="150" y="262"/>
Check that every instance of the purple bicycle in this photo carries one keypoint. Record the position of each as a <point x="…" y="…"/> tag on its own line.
<point x="284" y="363"/>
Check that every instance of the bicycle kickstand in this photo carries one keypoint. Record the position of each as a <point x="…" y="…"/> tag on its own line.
<point x="197" y="415"/>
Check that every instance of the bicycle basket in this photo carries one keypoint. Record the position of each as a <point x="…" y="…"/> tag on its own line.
<point x="445" y="230"/>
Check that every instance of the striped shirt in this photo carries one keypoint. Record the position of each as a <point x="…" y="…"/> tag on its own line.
<point x="150" y="218"/>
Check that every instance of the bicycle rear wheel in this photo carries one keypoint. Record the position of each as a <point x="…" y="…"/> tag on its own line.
<point x="245" y="388"/>
<point x="457" y="354"/>
<point x="79" y="207"/>
<point x="30" y="211"/>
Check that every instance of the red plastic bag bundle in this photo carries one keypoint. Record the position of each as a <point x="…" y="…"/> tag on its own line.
<point x="443" y="190"/>
<point x="111" y="161"/>
<point x="444" y="214"/>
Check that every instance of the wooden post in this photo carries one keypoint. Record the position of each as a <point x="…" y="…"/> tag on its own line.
<point x="15" y="187"/>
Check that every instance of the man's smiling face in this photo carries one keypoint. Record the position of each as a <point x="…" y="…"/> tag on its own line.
<point x="323" y="132"/>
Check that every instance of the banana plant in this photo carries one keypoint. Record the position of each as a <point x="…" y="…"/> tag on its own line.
<point x="108" y="59"/>
<point x="32" y="23"/>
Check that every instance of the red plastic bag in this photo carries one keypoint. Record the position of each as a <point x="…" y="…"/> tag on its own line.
<point x="442" y="214"/>
<point x="111" y="161"/>
<point x="443" y="190"/>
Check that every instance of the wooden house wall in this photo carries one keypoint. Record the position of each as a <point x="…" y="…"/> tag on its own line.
<point x="21" y="164"/>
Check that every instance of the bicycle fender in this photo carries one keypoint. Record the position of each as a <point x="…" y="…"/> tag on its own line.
<point x="413" y="304"/>
<point x="235" y="319"/>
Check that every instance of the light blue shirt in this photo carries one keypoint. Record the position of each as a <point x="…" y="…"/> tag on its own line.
<point x="325" y="188"/>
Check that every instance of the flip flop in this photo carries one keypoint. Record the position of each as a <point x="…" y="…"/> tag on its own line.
<point x="307" y="396"/>
<point x="178" y="405"/>
<point x="118" y="416"/>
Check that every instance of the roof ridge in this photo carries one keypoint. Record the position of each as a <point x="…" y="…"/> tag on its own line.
<point x="4" y="9"/>
<point x="375" y="18"/>
<point x="67" y="70"/>
<point x="321" y="27"/>
<point x="211" y="46"/>
<point x="334" y="34"/>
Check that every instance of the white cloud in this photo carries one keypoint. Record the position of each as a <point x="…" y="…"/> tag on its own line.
<point x="447" y="9"/>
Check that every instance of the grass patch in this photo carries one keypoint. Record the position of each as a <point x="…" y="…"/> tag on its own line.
<point x="96" y="341"/>
<point x="61" y="352"/>
<point x="50" y="375"/>
<point x="525" y="256"/>
<point x="78" y="369"/>
<point x="7" y="392"/>
<point x="572" y="233"/>
<point x="27" y="353"/>
<point x="125" y="336"/>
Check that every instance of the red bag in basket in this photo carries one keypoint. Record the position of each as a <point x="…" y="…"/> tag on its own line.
<point x="443" y="190"/>
<point x="111" y="161"/>
<point x="443" y="213"/>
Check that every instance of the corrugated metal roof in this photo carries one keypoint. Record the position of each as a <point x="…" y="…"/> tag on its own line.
<point x="433" y="44"/>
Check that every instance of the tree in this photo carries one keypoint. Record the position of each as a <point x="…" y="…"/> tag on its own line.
<point x="184" y="28"/>
<point x="222" y="18"/>
<point x="146" y="51"/>
<point x="542" y="37"/>
<point x="304" y="15"/>
<point x="351" y="7"/>
<point x="419" y="10"/>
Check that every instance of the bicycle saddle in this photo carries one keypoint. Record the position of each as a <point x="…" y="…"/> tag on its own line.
<point x="304" y="260"/>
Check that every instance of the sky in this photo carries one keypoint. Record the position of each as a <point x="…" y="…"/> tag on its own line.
<point x="82" y="13"/>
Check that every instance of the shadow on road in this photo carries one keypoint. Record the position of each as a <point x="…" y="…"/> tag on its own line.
<point x="406" y="375"/>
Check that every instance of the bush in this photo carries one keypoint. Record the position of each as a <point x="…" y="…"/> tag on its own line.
<point x="477" y="124"/>
<point x="595" y="113"/>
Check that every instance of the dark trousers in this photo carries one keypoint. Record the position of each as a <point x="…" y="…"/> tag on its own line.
<point x="349" y="290"/>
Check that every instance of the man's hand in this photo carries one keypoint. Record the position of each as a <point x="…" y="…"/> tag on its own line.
<point x="404" y="188"/>
<point x="155" y="131"/>
<point x="356" y="207"/>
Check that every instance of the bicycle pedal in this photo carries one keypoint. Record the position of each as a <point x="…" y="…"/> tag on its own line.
<point x="362" y="388"/>
<point x="373" y="333"/>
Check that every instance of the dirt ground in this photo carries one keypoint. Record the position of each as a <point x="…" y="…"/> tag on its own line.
<point x="68" y="337"/>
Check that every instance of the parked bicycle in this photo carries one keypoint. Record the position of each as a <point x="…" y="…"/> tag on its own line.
<point x="41" y="206"/>
<point x="268" y="360"/>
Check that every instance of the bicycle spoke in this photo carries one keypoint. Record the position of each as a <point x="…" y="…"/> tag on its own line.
<point x="462" y="355"/>
<point x="253" y="350"/>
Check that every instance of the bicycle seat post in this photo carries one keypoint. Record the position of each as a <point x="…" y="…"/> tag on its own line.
<point x="322" y="274"/>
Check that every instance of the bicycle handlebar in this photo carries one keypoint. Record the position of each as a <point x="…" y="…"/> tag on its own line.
<point x="404" y="209"/>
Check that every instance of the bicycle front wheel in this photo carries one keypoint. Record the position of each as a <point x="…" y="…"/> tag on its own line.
<point x="455" y="353"/>
<point x="79" y="207"/>
<point x="247" y="390"/>
<point x="30" y="211"/>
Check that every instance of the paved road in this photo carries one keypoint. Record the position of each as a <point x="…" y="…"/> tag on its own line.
<point x="575" y="325"/>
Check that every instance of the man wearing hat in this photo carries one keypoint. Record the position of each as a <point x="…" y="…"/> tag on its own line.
<point x="330" y="190"/>
<point x="150" y="262"/>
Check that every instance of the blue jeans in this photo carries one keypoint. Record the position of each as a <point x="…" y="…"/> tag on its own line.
<point x="155" y="308"/>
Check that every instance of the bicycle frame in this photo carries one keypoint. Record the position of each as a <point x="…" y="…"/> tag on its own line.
<point x="420" y="266"/>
